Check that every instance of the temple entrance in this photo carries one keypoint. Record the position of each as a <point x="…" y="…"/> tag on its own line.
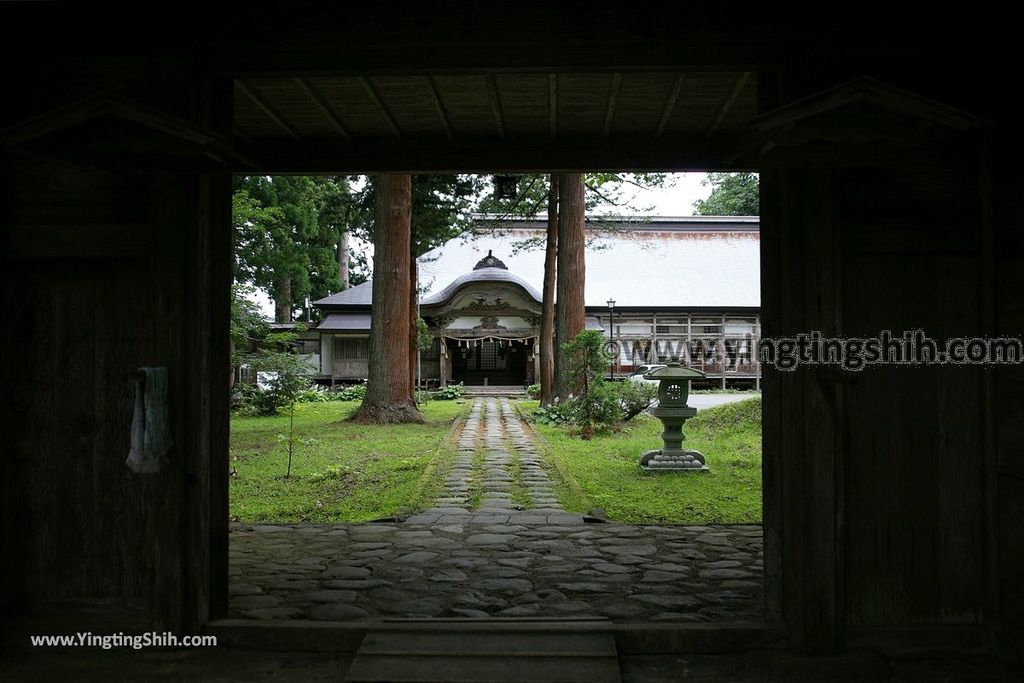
<point x="493" y="362"/>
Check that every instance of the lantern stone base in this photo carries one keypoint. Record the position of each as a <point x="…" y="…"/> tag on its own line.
<point x="675" y="461"/>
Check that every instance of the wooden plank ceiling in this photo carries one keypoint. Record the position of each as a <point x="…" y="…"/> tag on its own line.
<point x="490" y="121"/>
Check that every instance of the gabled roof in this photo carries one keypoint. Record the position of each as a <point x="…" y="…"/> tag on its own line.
<point x="345" y="322"/>
<point x="691" y="262"/>
<point x="664" y="262"/>
<point x="360" y="295"/>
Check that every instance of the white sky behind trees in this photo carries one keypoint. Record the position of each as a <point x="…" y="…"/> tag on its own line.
<point x="676" y="198"/>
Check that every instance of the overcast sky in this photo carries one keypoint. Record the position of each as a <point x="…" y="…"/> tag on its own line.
<point x="675" y="199"/>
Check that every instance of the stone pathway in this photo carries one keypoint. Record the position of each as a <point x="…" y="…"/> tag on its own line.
<point x="497" y="476"/>
<point x="497" y="544"/>
<point x="625" y="572"/>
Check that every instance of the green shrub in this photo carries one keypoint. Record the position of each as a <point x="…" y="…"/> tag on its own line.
<point x="247" y="400"/>
<point x="313" y="395"/>
<point x="596" y="407"/>
<point x="600" y="408"/>
<point x="448" y="393"/>
<point x="556" y="414"/>
<point x="533" y="391"/>
<point x="586" y="358"/>
<point x="354" y="393"/>
<point x="635" y="398"/>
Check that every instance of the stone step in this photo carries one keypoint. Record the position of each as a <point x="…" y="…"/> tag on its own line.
<point x="472" y="656"/>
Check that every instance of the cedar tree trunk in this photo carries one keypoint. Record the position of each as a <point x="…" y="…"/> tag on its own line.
<point x="283" y="302"/>
<point x="387" y="391"/>
<point x="547" y="316"/>
<point x="343" y="274"/>
<point x="569" y="312"/>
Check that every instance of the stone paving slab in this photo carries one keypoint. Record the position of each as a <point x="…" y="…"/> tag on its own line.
<point x="453" y="566"/>
<point x="495" y="455"/>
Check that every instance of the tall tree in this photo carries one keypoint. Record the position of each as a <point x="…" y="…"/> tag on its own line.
<point x="442" y="207"/>
<point x="571" y="266"/>
<point x="547" y="315"/>
<point x="284" y="243"/>
<point x="602" y="192"/>
<point x="732" y="194"/>
<point x="387" y="392"/>
<point x="340" y="212"/>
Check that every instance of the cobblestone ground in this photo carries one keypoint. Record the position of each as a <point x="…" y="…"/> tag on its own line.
<point x="497" y="544"/>
<point x="493" y="449"/>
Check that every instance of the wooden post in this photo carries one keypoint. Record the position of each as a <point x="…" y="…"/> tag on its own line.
<point x="654" y="337"/>
<point x="216" y="196"/>
<point x="442" y="361"/>
<point x="802" y="411"/>
<point x="724" y="352"/>
<point x="414" y="350"/>
<point x="689" y="338"/>
<point x="755" y="355"/>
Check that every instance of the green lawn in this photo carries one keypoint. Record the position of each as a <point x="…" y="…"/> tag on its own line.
<point x="345" y="472"/>
<point x="604" y="472"/>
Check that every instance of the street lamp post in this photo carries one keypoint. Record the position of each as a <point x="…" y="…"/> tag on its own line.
<point x="611" y="336"/>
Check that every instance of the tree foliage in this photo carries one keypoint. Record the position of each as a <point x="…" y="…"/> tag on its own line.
<point x="286" y="234"/>
<point x="732" y="194"/>
<point x="587" y="359"/>
<point x="247" y="323"/>
<point x="604" y="193"/>
<point x="636" y="397"/>
<point x="442" y="208"/>
<point x="607" y="200"/>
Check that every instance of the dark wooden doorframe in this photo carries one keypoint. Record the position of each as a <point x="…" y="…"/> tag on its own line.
<point x="515" y="368"/>
<point x="779" y="554"/>
<point x="772" y="461"/>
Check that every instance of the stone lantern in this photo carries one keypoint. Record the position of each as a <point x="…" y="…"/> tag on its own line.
<point x="673" y="390"/>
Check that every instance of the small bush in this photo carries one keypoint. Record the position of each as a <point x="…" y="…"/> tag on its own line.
<point x="353" y="393"/>
<point x="635" y="398"/>
<point x="606" y="405"/>
<point x="247" y="400"/>
<point x="533" y="391"/>
<point x="312" y="395"/>
<point x="600" y="408"/>
<point x="448" y="393"/>
<point x="556" y="414"/>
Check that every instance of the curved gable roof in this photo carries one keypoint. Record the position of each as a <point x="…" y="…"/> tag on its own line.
<point x="482" y="275"/>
